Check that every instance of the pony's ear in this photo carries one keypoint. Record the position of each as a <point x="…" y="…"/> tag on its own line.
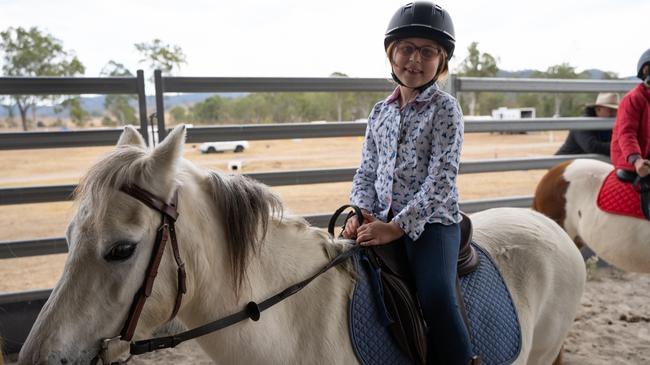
<point x="169" y="151"/>
<point x="131" y="136"/>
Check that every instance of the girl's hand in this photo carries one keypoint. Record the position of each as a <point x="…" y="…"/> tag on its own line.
<point x="377" y="232"/>
<point x="642" y="167"/>
<point x="352" y="224"/>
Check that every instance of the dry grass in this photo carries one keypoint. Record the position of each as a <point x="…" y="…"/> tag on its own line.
<point x="66" y="166"/>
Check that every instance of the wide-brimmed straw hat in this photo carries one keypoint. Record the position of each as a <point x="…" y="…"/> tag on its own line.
<point x="608" y="100"/>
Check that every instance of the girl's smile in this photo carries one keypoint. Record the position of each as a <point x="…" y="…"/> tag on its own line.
<point x="415" y="61"/>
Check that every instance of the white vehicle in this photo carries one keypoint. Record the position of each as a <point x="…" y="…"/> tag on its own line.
<point x="224" y="146"/>
<point x="513" y="113"/>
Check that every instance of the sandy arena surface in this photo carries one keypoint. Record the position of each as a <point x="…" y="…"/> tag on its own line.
<point x="612" y="326"/>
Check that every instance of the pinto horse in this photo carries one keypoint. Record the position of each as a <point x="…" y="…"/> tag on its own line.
<point x="568" y="194"/>
<point x="238" y="246"/>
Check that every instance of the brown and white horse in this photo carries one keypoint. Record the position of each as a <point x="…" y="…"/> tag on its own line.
<point x="568" y="193"/>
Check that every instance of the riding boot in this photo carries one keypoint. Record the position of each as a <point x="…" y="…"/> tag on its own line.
<point x="475" y="361"/>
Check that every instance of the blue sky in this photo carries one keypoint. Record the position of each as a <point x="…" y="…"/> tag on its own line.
<point x="306" y="38"/>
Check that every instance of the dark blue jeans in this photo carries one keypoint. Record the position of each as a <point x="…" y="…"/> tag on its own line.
<point x="434" y="258"/>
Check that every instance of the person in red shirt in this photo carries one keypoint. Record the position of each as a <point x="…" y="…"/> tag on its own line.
<point x="630" y="148"/>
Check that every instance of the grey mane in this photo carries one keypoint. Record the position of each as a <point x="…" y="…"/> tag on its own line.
<point x="246" y="207"/>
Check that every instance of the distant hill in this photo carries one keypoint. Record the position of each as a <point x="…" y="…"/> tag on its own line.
<point x="594" y="74"/>
<point x="95" y="104"/>
<point x="522" y="74"/>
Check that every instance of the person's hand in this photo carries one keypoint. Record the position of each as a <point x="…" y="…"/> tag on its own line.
<point x="642" y="167"/>
<point x="376" y="232"/>
<point x="350" y="229"/>
<point x="352" y="224"/>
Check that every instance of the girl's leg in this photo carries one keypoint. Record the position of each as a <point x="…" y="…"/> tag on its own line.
<point x="433" y="258"/>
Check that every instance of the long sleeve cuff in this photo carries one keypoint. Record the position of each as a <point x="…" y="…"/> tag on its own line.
<point x="631" y="159"/>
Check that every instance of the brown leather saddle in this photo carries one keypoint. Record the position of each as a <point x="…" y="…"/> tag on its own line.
<point x="408" y="326"/>
<point x="393" y="255"/>
<point x="641" y="185"/>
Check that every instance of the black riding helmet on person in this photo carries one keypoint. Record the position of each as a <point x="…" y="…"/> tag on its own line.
<point x="426" y="20"/>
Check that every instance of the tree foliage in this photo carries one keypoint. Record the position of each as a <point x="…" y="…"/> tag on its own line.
<point x="478" y="64"/>
<point x="119" y="106"/>
<point x="32" y="52"/>
<point x="556" y="104"/>
<point x="161" y="56"/>
<point x="280" y="108"/>
<point x="77" y="114"/>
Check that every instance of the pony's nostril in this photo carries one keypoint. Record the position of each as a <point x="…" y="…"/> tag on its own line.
<point x="64" y="361"/>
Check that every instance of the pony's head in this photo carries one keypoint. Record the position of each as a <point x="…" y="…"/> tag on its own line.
<point x="111" y="237"/>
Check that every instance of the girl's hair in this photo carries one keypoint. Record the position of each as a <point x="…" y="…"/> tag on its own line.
<point x="443" y="68"/>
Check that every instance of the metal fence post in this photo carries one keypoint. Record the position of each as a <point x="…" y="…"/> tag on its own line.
<point x="160" y="104"/>
<point x="142" y="106"/>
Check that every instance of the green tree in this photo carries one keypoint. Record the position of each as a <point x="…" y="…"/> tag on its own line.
<point x="558" y="104"/>
<point x="477" y="64"/>
<point x="161" y="56"/>
<point x="179" y="115"/>
<point x="338" y="97"/>
<point x="31" y="52"/>
<point x="119" y="106"/>
<point x="209" y="110"/>
<point x="77" y="114"/>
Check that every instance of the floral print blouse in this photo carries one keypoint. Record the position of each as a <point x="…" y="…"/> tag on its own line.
<point x="410" y="161"/>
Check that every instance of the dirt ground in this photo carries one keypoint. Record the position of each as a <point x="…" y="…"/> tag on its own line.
<point x="612" y="327"/>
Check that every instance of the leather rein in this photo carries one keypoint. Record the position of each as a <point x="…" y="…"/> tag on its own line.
<point x="110" y="348"/>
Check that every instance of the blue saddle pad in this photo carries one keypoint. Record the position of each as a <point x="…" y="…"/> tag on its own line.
<point x="494" y="326"/>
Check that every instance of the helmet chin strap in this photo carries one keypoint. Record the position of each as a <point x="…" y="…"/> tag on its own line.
<point x="419" y="88"/>
<point x="646" y="82"/>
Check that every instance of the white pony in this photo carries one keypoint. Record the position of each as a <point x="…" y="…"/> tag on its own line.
<point x="541" y="267"/>
<point x="568" y="194"/>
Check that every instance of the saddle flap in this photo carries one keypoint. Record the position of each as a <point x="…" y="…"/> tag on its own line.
<point x="392" y="257"/>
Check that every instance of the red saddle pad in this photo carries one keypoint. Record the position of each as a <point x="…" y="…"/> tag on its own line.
<point x="619" y="197"/>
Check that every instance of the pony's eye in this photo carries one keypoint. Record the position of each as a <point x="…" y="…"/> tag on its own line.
<point x="120" y="251"/>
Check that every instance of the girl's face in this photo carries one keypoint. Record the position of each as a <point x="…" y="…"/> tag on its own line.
<point x="415" y="61"/>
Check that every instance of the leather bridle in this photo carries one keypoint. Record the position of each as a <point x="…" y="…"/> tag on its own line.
<point x="110" y="348"/>
<point x="165" y="232"/>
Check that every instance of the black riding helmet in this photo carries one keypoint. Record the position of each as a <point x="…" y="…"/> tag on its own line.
<point x="422" y="19"/>
<point x="644" y="60"/>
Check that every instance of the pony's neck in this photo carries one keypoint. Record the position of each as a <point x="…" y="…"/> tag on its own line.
<point x="291" y="253"/>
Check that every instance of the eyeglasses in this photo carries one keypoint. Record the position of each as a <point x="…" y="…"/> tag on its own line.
<point x="407" y="49"/>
